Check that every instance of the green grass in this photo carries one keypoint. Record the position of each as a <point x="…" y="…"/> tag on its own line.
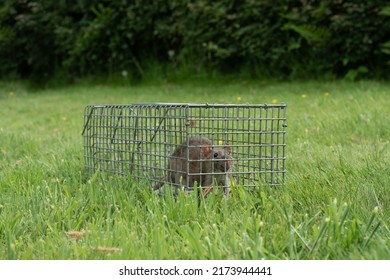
<point x="335" y="203"/>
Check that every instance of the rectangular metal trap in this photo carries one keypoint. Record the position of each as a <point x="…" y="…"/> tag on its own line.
<point x="139" y="140"/>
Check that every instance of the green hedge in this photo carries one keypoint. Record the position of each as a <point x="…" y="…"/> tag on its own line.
<point x="287" y="38"/>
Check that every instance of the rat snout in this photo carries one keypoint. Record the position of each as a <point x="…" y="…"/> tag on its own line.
<point x="224" y="165"/>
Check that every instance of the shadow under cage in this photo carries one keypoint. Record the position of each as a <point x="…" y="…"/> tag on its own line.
<point x="139" y="140"/>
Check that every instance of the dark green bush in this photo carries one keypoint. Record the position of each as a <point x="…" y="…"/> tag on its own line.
<point x="39" y="39"/>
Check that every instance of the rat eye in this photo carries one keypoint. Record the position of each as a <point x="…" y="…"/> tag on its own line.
<point x="215" y="155"/>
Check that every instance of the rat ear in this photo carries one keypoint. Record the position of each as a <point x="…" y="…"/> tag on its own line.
<point x="228" y="148"/>
<point x="206" y="150"/>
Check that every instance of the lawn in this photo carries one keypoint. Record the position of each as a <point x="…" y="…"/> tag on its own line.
<point x="335" y="203"/>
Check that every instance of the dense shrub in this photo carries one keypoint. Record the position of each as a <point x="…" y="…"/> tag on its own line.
<point x="289" y="38"/>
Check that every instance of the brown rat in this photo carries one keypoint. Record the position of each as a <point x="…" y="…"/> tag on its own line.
<point x="205" y="163"/>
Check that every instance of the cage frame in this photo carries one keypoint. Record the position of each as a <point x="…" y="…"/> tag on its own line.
<point x="281" y="120"/>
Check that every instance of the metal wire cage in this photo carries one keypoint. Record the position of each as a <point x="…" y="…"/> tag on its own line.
<point x="138" y="140"/>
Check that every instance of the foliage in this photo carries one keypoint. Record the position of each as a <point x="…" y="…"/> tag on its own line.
<point x="335" y="203"/>
<point x="288" y="38"/>
<point x="386" y="46"/>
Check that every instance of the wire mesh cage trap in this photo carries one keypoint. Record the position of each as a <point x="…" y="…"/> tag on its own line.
<point x="148" y="141"/>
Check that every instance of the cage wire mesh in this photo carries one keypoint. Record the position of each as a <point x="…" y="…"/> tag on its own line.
<point x="139" y="140"/>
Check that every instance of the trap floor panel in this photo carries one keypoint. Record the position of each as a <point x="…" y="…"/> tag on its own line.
<point x="138" y="140"/>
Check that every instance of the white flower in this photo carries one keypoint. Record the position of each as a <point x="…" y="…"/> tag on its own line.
<point x="171" y="54"/>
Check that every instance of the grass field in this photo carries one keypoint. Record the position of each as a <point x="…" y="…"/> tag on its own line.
<point x="335" y="203"/>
